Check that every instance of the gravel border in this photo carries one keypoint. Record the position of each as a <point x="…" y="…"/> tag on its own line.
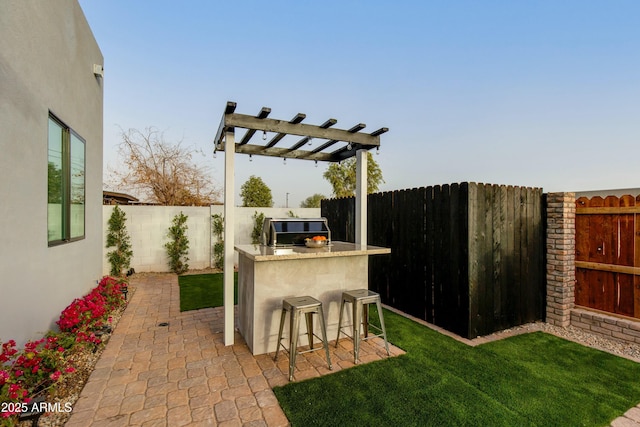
<point x="610" y="345"/>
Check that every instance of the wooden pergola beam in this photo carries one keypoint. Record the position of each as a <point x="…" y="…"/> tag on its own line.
<point x="306" y="139"/>
<point x="379" y="131"/>
<point x="217" y="141"/>
<point x="328" y="144"/>
<point x="230" y="108"/>
<point x="353" y="139"/>
<point x="300" y="129"/>
<point x="259" y="150"/>
<point x="297" y="119"/>
<point x="262" y="115"/>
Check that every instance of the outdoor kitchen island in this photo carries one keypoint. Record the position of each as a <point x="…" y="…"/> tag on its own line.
<point x="267" y="275"/>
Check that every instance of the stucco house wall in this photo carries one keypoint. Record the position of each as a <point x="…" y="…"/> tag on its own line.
<point x="47" y="53"/>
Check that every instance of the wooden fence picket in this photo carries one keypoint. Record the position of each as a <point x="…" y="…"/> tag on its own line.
<point x="607" y="254"/>
<point x="468" y="257"/>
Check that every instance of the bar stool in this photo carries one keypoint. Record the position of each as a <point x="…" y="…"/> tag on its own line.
<point x="360" y="300"/>
<point x="297" y="306"/>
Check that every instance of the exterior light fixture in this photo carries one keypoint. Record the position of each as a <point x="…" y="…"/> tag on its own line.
<point x="98" y="70"/>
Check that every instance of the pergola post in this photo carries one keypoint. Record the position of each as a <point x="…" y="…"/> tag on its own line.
<point x="361" y="198"/>
<point x="229" y="235"/>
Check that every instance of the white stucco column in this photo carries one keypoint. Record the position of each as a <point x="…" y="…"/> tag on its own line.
<point x="229" y="237"/>
<point x="361" y="197"/>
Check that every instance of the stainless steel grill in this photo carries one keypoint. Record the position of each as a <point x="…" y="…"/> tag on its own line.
<point x="293" y="231"/>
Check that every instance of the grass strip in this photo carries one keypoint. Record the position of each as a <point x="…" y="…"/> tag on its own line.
<point x="534" y="379"/>
<point x="203" y="291"/>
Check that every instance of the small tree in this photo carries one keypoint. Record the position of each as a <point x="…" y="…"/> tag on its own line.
<point x="217" y="226"/>
<point x="255" y="193"/>
<point x="178" y="245"/>
<point x="163" y="172"/>
<point x="256" y="233"/>
<point x="118" y="237"/>
<point x="312" y="201"/>
<point x="342" y="176"/>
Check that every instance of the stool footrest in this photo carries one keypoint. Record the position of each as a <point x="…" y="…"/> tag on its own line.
<point x="380" y="335"/>
<point x="351" y="326"/>
<point x="299" y="352"/>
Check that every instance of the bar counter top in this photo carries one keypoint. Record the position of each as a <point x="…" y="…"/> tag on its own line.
<point x="335" y="249"/>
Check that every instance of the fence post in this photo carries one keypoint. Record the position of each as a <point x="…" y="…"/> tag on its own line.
<point x="561" y="257"/>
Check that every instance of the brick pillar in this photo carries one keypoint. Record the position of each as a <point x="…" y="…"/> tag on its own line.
<point x="561" y="257"/>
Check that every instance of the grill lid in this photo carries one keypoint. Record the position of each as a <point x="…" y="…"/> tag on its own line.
<point x="293" y="231"/>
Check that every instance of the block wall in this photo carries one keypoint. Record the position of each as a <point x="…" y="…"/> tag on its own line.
<point x="561" y="257"/>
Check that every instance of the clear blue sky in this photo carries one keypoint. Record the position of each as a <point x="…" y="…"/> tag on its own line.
<point x="541" y="93"/>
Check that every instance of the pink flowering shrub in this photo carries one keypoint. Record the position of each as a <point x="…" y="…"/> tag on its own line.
<point x="27" y="373"/>
<point x="41" y="364"/>
<point x="90" y="312"/>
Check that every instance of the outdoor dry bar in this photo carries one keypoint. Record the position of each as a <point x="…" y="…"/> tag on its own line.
<point x="269" y="273"/>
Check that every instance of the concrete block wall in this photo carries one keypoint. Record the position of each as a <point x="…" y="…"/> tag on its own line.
<point x="148" y="226"/>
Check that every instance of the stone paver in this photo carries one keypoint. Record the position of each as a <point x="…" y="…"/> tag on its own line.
<point x="631" y="418"/>
<point x="183" y="374"/>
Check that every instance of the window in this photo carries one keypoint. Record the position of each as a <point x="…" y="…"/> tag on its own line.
<point x="66" y="184"/>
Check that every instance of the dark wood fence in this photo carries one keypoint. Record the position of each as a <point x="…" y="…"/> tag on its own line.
<point x="608" y="254"/>
<point x="467" y="257"/>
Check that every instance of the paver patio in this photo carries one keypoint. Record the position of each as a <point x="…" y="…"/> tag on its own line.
<point x="183" y="374"/>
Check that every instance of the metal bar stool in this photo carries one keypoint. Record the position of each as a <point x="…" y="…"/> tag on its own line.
<point x="296" y="306"/>
<point x="360" y="300"/>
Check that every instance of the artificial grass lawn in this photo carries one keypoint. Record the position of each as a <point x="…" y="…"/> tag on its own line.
<point x="203" y="290"/>
<point x="534" y="379"/>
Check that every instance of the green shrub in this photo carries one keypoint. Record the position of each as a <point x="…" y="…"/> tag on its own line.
<point x="118" y="237"/>
<point x="178" y="245"/>
<point x="217" y="226"/>
<point x="256" y="233"/>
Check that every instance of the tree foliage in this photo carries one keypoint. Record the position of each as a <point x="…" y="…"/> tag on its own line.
<point x="258" y="222"/>
<point x="217" y="228"/>
<point x="162" y="172"/>
<point x="55" y="183"/>
<point x="342" y="176"/>
<point x="255" y="193"/>
<point x="312" y="201"/>
<point x="118" y="238"/>
<point x="178" y="244"/>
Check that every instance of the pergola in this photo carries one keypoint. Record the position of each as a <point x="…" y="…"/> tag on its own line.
<point x="333" y="145"/>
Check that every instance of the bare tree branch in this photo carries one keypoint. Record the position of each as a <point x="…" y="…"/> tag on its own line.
<point x="164" y="173"/>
